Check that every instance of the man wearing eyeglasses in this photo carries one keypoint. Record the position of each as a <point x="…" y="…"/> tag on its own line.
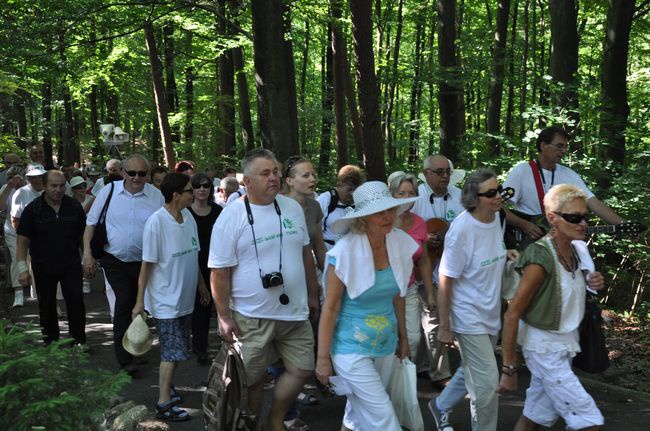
<point x="132" y="202"/>
<point x="552" y="144"/>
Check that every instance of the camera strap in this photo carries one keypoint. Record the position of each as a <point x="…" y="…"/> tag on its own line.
<point x="249" y="213"/>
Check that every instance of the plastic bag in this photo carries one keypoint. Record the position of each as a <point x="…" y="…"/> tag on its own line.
<point x="403" y="392"/>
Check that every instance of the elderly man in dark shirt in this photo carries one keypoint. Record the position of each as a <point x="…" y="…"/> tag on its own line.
<point x="51" y="227"/>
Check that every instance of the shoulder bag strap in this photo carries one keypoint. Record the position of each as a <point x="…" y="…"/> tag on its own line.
<point x="538" y="185"/>
<point x="102" y="215"/>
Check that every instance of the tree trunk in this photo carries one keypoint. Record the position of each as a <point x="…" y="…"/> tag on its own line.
<point x="361" y="12"/>
<point x="355" y="120"/>
<point x="303" y="81"/>
<point x="524" y="73"/>
<point x="69" y="143"/>
<point x="511" y="70"/>
<point x="46" y="114"/>
<point x="495" y="92"/>
<point x="159" y="95"/>
<point x="21" y="117"/>
<point x="392" y="82"/>
<point x="450" y="94"/>
<point x="615" y="109"/>
<point x="189" y="99"/>
<point x="275" y="77"/>
<point x="416" y="93"/>
<point x="248" y="138"/>
<point x="327" y="101"/>
<point x="564" y="58"/>
<point x="171" y="92"/>
<point x="338" y="64"/>
<point x="226" y="90"/>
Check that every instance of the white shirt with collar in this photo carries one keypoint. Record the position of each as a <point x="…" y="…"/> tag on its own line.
<point x="445" y="207"/>
<point x="126" y="216"/>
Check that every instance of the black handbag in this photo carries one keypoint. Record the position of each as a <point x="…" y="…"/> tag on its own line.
<point x="594" y="357"/>
<point x="100" y="236"/>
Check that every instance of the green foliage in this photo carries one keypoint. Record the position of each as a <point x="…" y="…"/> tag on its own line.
<point x="50" y="386"/>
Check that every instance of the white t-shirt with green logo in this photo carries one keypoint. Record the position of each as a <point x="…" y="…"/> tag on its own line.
<point x="475" y="257"/>
<point x="173" y="248"/>
<point x="231" y="245"/>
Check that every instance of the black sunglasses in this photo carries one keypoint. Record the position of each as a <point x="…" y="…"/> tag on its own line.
<point x="141" y="174"/>
<point x="573" y="218"/>
<point x="491" y="192"/>
<point x="202" y="185"/>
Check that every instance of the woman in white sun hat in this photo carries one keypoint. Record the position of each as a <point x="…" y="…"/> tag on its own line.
<point x="362" y="319"/>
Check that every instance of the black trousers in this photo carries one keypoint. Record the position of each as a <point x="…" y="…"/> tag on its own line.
<point x="71" y="280"/>
<point x="123" y="277"/>
<point x="201" y="324"/>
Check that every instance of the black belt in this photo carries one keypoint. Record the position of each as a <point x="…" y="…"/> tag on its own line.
<point x="329" y="241"/>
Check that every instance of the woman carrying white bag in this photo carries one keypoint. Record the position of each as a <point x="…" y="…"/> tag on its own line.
<point x="362" y="321"/>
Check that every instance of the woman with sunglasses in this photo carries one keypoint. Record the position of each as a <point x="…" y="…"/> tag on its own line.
<point x="205" y="213"/>
<point x="545" y="315"/>
<point x="469" y="300"/>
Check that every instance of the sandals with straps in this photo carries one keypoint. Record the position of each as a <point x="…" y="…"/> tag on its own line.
<point x="170" y="412"/>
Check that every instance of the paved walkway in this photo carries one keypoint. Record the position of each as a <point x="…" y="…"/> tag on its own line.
<point x="623" y="409"/>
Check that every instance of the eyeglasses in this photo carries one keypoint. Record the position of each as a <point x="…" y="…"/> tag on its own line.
<point x="560" y="147"/>
<point x="202" y="185"/>
<point x="491" y="192"/>
<point x="141" y="174"/>
<point x="440" y="172"/>
<point x="573" y="218"/>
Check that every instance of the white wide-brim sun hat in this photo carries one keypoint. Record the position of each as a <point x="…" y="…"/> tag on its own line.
<point x="370" y="198"/>
<point x="138" y="338"/>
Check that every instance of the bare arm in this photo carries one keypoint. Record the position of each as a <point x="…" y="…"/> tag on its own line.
<point x="319" y="247"/>
<point x="329" y="313"/>
<point x="399" y="304"/>
<point x="143" y="278"/>
<point x="312" y="283"/>
<point x="89" y="204"/>
<point x="602" y="210"/>
<point x="426" y="275"/>
<point x="88" y="259"/>
<point x="444" y="303"/>
<point x="220" y="285"/>
<point x="529" y="228"/>
<point x="15" y="221"/>
<point x="531" y="280"/>
<point x="204" y="293"/>
<point x="12" y="184"/>
<point x="22" y="245"/>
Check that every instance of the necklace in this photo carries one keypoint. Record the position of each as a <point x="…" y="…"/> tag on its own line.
<point x="570" y="262"/>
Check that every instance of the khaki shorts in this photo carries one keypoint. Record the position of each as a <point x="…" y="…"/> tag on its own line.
<point x="264" y="341"/>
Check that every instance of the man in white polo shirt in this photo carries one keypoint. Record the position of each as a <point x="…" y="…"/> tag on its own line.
<point x="263" y="283"/>
<point x="132" y="201"/>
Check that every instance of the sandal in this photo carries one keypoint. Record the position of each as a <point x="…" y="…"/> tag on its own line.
<point x="175" y="396"/>
<point x="307" y="399"/>
<point x="296" y="424"/>
<point x="170" y="412"/>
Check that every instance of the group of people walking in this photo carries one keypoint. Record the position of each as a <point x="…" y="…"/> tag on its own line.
<point x="336" y="284"/>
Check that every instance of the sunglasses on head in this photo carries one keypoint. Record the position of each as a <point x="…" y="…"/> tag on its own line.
<point x="141" y="174"/>
<point x="573" y="218"/>
<point x="491" y="192"/>
<point x="202" y="185"/>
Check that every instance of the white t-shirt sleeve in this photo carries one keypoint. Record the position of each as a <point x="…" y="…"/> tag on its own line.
<point x="150" y="240"/>
<point x="514" y="180"/>
<point x="453" y="258"/>
<point x="224" y="238"/>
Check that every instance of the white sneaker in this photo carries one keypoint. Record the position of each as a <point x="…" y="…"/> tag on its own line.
<point x="19" y="298"/>
<point x="440" y="417"/>
<point x="86" y="286"/>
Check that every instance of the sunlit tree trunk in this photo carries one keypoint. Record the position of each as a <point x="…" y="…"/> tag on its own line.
<point x="248" y="138"/>
<point x="338" y="80"/>
<point x="392" y="83"/>
<point x="226" y="89"/>
<point x="189" y="99"/>
<point x="171" y="91"/>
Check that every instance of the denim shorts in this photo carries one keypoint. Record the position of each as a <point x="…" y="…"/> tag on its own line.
<point x="174" y="337"/>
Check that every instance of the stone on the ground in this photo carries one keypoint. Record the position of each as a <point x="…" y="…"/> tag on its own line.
<point x="128" y="420"/>
<point x="117" y="410"/>
<point x="153" y="425"/>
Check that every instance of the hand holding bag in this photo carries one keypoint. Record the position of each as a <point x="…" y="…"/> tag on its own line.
<point x="100" y="236"/>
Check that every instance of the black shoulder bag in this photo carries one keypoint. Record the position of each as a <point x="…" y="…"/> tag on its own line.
<point x="593" y="357"/>
<point x="100" y="237"/>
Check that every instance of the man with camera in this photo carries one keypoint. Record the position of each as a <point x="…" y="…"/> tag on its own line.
<point x="264" y="285"/>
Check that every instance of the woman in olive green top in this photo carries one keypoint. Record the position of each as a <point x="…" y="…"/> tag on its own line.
<point x="545" y="314"/>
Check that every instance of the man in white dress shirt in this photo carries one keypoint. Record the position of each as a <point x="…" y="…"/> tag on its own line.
<point x="133" y="200"/>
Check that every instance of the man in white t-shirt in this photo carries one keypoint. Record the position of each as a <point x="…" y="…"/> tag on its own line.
<point x="334" y="202"/>
<point x="264" y="285"/>
<point x="552" y="143"/>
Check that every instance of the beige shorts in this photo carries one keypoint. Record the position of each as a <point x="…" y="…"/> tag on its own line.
<point x="264" y="341"/>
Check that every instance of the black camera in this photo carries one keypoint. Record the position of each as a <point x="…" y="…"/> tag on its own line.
<point x="272" y="279"/>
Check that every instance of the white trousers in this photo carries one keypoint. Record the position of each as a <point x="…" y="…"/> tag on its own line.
<point x="368" y="408"/>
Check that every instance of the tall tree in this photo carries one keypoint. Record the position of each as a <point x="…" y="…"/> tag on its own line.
<point x="327" y="101"/>
<point x="511" y="70"/>
<point x="275" y="77"/>
<point x="189" y="97"/>
<point x="495" y="92"/>
<point x="361" y="12"/>
<point x="160" y="99"/>
<point x="226" y="101"/>
<point x="450" y="94"/>
<point x="564" y="58"/>
<point x="171" y="91"/>
<point x="338" y="72"/>
<point x="615" y="108"/>
<point x="392" y="82"/>
<point x="248" y="138"/>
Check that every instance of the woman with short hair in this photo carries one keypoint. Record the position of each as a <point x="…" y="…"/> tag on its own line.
<point x="167" y="284"/>
<point x="362" y="320"/>
<point x="545" y="314"/>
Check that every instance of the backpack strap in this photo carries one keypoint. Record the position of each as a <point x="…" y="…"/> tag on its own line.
<point x="334" y="201"/>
